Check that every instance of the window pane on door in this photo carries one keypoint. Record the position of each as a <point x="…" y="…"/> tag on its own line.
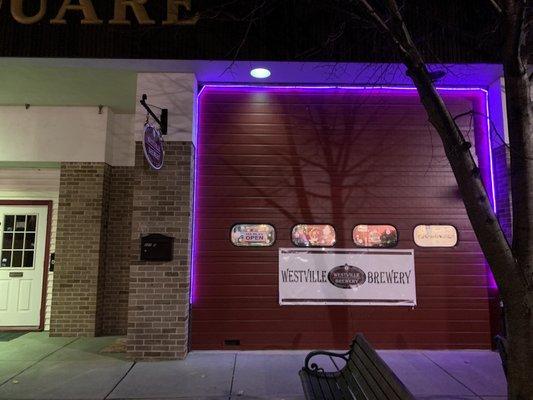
<point x="28" y="259"/>
<point x="20" y="222"/>
<point x="9" y="223"/>
<point x="6" y="259"/>
<point x="7" y="242"/>
<point x="19" y="241"/>
<point x="31" y="222"/>
<point x="17" y="259"/>
<point x="29" y="242"/>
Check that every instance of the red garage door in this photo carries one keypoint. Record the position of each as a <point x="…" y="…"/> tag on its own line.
<point x="340" y="157"/>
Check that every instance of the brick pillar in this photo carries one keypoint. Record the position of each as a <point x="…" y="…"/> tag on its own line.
<point x="117" y="266"/>
<point x="158" y="314"/>
<point x="80" y="249"/>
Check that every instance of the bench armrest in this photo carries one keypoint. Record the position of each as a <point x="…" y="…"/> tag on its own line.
<point x="314" y="367"/>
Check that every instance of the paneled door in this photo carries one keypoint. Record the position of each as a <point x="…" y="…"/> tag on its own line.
<point x="23" y="240"/>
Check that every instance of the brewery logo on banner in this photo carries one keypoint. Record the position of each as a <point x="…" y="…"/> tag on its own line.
<point x="154" y="151"/>
<point x="346" y="276"/>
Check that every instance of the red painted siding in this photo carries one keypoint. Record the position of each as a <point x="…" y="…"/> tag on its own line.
<point x="343" y="158"/>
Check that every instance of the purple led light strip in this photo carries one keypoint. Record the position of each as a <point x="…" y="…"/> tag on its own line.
<point x="483" y="93"/>
<point x="195" y="196"/>
<point x="489" y="139"/>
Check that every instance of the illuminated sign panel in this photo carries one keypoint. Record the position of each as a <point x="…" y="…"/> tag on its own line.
<point x="304" y="235"/>
<point x="375" y="236"/>
<point x="253" y="235"/>
<point x="435" y="235"/>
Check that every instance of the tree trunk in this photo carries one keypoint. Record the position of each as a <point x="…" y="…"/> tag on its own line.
<point x="520" y="357"/>
<point x="512" y="266"/>
<point x="519" y="311"/>
<point x="519" y="304"/>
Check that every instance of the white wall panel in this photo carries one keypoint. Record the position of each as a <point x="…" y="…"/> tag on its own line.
<point x="53" y="134"/>
<point x="70" y="134"/>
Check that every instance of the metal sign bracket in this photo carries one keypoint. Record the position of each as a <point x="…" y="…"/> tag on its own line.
<point x="162" y="120"/>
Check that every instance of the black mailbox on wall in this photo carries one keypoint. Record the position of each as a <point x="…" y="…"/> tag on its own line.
<point x="157" y="247"/>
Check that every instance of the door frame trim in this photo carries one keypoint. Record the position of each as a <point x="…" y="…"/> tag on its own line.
<point x="44" y="290"/>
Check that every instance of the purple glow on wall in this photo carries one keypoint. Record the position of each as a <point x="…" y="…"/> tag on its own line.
<point x="491" y="282"/>
<point x="479" y="97"/>
<point x="491" y="163"/>
<point x="483" y="144"/>
<point x="194" y="249"/>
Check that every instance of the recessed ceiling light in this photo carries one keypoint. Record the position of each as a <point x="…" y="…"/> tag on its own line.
<point x="260" y="73"/>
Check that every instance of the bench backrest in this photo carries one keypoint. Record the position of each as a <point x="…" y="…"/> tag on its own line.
<point x="365" y="364"/>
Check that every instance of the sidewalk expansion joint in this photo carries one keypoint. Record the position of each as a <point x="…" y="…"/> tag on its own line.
<point x="120" y="380"/>
<point x="451" y="376"/>
<point x="232" y="377"/>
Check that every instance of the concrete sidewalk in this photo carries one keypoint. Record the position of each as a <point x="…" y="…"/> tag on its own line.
<point x="35" y="366"/>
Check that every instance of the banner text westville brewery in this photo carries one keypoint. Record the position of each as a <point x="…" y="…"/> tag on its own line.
<point x="372" y="277"/>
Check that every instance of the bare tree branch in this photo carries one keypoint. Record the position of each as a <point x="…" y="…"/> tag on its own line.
<point x="380" y="23"/>
<point x="496" y="6"/>
<point x="479" y="209"/>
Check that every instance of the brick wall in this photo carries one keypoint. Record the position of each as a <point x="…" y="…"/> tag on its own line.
<point x="159" y="291"/>
<point x="501" y="162"/>
<point x="80" y="249"/>
<point x="117" y="266"/>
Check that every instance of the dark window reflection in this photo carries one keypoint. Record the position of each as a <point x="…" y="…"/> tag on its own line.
<point x="28" y="259"/>
<point x="7" y="242"/>
<point x="9" y="223"/>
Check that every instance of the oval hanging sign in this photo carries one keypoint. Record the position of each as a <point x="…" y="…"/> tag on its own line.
<point x="153" y="146"/>
<point x="346" y="276"/>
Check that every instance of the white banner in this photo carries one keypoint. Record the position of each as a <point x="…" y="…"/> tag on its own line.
<point x="346" y="277"/>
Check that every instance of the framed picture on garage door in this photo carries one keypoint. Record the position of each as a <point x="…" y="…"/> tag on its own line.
<point x="25" y="238"/>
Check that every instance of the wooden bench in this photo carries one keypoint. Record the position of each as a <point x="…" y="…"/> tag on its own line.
<point x="365" y="376"/>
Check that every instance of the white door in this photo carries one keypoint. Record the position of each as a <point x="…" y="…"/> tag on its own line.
<point x="23" y="240"/>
